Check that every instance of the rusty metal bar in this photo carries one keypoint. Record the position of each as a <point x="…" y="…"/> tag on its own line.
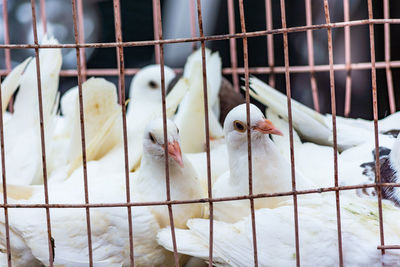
<point x="7" y="54"/>
<point x="155" y="32"/>
<point x="207" y="131"/>
<point x="249" y="152"/>
<point x="4" y="181"/>
<point x="208" y="38"/>
<point x="201" y="200"/>
<point x="389" y="247"/>
<point x="192" y="10"/>
<point x="376" y="131"/>
<point x="42" y="135"/>
<point x="347" y="51"/>
<point x="270" y="42"/>
<point x="43" y="15"/>
<point x="81" y="29"/>
<point x="164" y="117"/>
<point x="121" y="89"/>
<point x="334" y="130"/>
<point x="310" y="49"/>
<point x="81" y="117"/>
<point x="392" y="103"/>
<point x="232" y="46"/>
<point x="290" y="120"/>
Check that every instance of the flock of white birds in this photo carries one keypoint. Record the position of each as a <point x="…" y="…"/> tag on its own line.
<point x="186" y="140"/>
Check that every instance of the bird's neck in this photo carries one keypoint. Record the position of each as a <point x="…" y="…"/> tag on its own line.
<point x="270" y="171"/>
<point x="395" y="158"/>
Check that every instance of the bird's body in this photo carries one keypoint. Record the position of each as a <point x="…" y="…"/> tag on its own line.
<point x="110" y="233"/>
<point x="233" y="245"/>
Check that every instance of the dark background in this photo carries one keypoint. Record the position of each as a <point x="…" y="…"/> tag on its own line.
<point x="137" y="24"/>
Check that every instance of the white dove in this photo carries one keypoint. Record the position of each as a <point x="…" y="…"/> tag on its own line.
<point x="145" y="105"/>
<point x="22" y="131"/>
<point x="110" y="237"/>
<point x="190" y="117"/>
<point x="233" y="245"/>
<point x="102" y="122"/>
<point x="316" y="127"/>
<point x="271" y="171"/>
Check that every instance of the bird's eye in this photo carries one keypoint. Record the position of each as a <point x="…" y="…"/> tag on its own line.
<point x="177" y="130"/>
<point x="153" y="85"/>
<point x="239" y="126"/>
<point x="152" y="138"/>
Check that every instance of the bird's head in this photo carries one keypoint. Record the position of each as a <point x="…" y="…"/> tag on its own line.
<point x="147" y="82"/>
<point x="235" y="125"/>
<point x="153" y="141"/>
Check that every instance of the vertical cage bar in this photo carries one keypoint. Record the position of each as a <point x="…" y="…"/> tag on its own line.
<point x="6" y="36"/>
<point x="376" y="131"/>
<point x="347" y="55"/>
<point x="7" y="51"/>
<point x="193" y="22"/>
<point x="310" y="49"/>
<point x="4" y="181"/>
<point x="333" y="105"/>
<point x="121" y="89"/>
<point x="164" y="116"/>
<point x="156" y="31"/>
<point x="81" y="36"/>
<point x="81" y="117"/>
<point x="207" y="129"/>
<point x="249" y="154"/>
<point x="270" y="42"/>
<point x="42" y="136"/>
<point x="289" y="104"/>
<point x="43" y="16"/>
<point x="392" y="103"/>
<point x="232" y="45"/>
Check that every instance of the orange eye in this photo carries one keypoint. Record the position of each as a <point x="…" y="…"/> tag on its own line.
<point x="239" y="126"/>
<point x="153" y="85"/>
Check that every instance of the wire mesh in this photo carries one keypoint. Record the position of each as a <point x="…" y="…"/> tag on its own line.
<point x="81" y="72"/>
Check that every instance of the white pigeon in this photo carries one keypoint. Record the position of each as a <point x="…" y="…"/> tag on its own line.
<point x="271" y="171"/>
<point x="110" y="236"/>
<point x="145" y="105"/>
<point x="316" y="127"/>
<point x="22" y="132"/>
<point x="233" y="245"/>
<point x="190" y="117"/>
<point x="103" y="129"/>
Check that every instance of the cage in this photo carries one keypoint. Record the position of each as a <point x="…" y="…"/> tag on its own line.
<point x="317" y="67"/>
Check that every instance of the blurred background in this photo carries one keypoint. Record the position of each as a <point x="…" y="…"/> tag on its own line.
<point x="137" y="25"/>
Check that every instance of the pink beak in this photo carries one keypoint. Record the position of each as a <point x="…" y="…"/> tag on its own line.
<point x="266" y="127"/>
<point x="174" y="151"/>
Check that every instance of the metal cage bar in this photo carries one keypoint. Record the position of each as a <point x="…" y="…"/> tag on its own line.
<point x="392" y="103"/>
<point x="249" y="152"/>
<point x="347" y="55"/>
<point x="334" y="130"/>
<point x="290" y="120"/>
<point x="270" y="42"/>
<point x="164" y="117"/>
<point x="83" y="138"/>
<point x="42" y="135"/>
<point x="310" y="49"/>
<point x="121" y="90"/>
<point x="232" y="46"/>
<point x="207" y="132"/>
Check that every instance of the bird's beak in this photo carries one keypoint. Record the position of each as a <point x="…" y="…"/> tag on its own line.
<point x="174" y="151"/>
<point x="266" y="127"/>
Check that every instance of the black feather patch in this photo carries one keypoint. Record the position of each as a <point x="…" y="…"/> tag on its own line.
<point x="383" y="151"/>
<point x="387" y="174"/>
<point x="393" y="132"/>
